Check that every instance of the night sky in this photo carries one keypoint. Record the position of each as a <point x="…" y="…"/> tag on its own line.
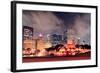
<point x="44" y="22"/>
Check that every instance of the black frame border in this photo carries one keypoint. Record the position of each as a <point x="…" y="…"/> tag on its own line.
<point x="13" y="35"/>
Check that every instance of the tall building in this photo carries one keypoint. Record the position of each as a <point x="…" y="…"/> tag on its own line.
<point x="56" y="39"/>
<point x="40" y="43"/>
<point x="71" y="34"/>
<point x="64" y="36"/>
<point x="27" y="37"/>
<point x="78" y="41"/>
<point x="48" y="43"/>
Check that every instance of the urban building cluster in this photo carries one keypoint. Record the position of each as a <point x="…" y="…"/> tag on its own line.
<point x="52" y="44"/>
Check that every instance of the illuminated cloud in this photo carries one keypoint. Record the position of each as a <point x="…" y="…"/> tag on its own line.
<point x="58" y="22"/>
<point x="43" y="22"/>
<point x="82" y="27"/>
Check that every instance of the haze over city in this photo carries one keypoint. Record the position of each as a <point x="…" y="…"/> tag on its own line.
<point x="59" y="22"/>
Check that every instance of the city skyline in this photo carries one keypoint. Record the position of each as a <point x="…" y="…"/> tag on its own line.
<point x="46" y="22"/>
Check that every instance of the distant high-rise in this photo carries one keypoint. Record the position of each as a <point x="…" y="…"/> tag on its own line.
<point x="27" y="37"/>
<point x="71" y="34"/>
<point x="27" y="33"/>
<point x="56" y="39"/>
<point x="78" y="41"/>
<point x="64" y="36"/>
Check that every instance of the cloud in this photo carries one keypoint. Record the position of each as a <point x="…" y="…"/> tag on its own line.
<point x="82" y="27"/>
<point x="49" y="22"/>
<point x="44" y="22"/>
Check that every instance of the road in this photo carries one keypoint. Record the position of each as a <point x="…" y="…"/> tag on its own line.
<point x="64" y="58"/>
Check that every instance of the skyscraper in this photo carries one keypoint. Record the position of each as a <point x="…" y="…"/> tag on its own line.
<point x="56" y="39"/>
<point x="27" y="37"/>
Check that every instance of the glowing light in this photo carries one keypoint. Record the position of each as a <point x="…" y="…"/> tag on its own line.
<point x="40" y="35"/>
<point x="48" y="44"/>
